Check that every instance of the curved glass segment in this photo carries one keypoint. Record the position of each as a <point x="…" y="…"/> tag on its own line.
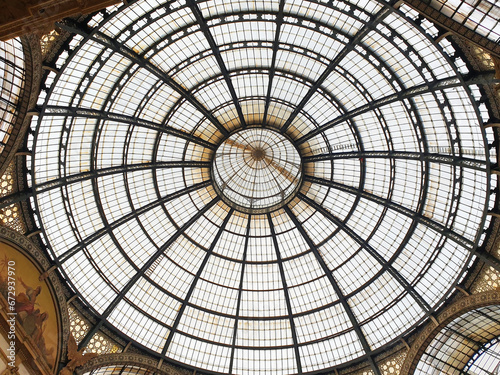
<point x="487" y="360"/>
<point x="11" y="85"/>
<point x="353" y="193"/>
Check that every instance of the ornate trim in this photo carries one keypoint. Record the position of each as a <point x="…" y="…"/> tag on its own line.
<point x="131" y="359"/>
<point x="453" y="311"/>
<point x="28" y="248"/>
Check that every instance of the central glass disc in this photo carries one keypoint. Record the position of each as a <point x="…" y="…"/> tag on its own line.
<point x="257" y="170"/>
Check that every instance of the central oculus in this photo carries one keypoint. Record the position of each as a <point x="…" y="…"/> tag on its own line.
<point x="257" y="170"/>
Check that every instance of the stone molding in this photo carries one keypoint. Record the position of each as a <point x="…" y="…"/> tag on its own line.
<point x="131" y="359"/>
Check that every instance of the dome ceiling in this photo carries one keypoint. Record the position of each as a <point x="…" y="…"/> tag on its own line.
<point x="259" y="186"/>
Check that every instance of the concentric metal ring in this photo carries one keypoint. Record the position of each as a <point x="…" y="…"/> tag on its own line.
<point x="257" y="170"/>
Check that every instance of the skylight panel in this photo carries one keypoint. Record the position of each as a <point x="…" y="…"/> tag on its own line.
<point x="159" y="305"/>
<point x="84" y="209"/>
<point x="331" y="352"/>
<point x="82" y="273"/>
<point x="146" y="331"/>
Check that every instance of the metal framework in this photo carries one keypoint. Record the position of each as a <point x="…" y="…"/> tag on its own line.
<point x="389" y="211"/>
<point x="350" y="45"/>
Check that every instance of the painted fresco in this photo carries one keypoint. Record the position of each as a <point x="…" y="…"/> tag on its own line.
<point x="34" y="304"/>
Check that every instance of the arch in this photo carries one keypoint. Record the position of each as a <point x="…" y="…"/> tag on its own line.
<point x="31" y="252"/>
<point x="130" y="360"/>
<point x="455" y="310"/>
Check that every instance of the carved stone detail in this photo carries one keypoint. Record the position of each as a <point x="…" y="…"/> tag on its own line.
<point x="131" y="359"/>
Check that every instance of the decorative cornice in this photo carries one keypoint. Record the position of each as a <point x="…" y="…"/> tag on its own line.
<point x="131" y="359"/>
<point x="453" y="311"/>
<point x="38" y="16"/>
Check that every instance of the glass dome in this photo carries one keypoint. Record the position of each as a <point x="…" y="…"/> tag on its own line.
<point x="260" y="187"/>
<point x="256" y="170"/>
